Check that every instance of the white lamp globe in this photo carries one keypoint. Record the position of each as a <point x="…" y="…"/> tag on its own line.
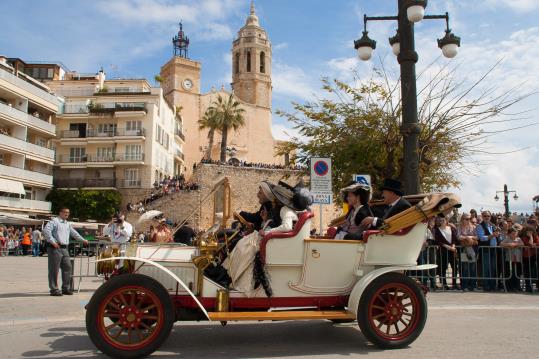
<point x="450" y="50"/>
<point x="415" y="13"/>
<point x="364" y="52"/>
<point x="396" y="47"/>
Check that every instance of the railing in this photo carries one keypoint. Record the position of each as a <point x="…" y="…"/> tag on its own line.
<point x="84" y="182"/>
<point x="26" y="118"/>
<point x="32" y="88"/>
<point x="130" y="91"/>
<point x="71" y="109"/>
<point x="23" y="175"/>
<point x="180" y="154"/>
<point x="93" y="158"/>
<point x="117" y="107"/>
<point x="119" y="132"/>
<point x="180" y="134"/>
<point x="491" y="268"/>
<point x="20" y="203"/>
<point x="75" y="92"/>
<point x="26" y="146"/>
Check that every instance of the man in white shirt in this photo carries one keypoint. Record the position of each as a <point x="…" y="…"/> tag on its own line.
<point x="119" y="231"/>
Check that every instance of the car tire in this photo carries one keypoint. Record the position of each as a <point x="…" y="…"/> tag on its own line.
<point x="392" y="311"/>
<point x="129" y="316"/>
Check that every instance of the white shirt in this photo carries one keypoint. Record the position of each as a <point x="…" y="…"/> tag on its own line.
<point x="117" y="233"/>
<point x="446" y="232"/>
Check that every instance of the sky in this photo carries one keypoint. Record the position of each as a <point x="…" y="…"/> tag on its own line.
<point x="310" y="39"/>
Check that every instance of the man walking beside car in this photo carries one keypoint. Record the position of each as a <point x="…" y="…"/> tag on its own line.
<point x="57" y="233"/>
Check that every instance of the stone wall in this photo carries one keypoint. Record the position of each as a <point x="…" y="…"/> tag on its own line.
<point x="244" y="184"/>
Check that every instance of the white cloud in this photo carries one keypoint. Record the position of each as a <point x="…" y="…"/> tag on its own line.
<point x="283" y="133"/>
<point x="280" y="46"/>
<point x="292" y="81"/>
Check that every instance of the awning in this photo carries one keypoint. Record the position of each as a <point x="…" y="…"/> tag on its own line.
<point x="11" y="186"/>
<point x="9" y="218"/>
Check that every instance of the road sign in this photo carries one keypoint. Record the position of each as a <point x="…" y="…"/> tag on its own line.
<point x="321" y="180"/>
<point x="362" y="179"/>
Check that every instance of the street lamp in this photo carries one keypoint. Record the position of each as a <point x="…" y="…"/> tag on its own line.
<point x="506" y="198"/>
<point x="402" y="45"/>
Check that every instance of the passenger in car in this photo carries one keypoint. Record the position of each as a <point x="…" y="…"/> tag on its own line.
<point x="357" y="197"/>
<point x="265" y="198"/>
<point x="392" y="194"/>
<point x="240" y="263"/>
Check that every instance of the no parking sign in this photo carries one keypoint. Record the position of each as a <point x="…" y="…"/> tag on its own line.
<point x="321" y="180"/>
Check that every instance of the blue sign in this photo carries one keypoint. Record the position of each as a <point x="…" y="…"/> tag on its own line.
<point x="362" y="179"/>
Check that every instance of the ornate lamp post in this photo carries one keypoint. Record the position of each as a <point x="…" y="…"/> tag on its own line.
<point x="403" y="46"/>
<point x="506" y="198"/>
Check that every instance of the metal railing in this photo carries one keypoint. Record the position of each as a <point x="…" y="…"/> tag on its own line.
<point x="488" y="268"/>
<point x="94" y="158"/>
<point x="84" y="182"/>
<point x="119" y="132"/>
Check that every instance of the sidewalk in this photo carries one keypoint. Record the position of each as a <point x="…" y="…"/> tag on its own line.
<point x="24" y="293"/>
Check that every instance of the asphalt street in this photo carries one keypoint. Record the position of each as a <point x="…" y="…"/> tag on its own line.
<point x="459" y="325"/>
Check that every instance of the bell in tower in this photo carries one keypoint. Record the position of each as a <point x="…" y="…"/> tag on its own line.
<point x="251" y="63"/>
<point x="180" y="43"/>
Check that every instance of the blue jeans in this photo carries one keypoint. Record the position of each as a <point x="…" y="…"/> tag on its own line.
<point x="488" y="260"/>
<point x="35" y="249"/>
<point x="469" y="272"/>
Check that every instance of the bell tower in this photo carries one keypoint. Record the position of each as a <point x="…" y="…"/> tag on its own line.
<point x="251" y="63"/>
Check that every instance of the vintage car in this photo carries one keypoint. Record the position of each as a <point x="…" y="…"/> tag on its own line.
<point x="132" y="313"/>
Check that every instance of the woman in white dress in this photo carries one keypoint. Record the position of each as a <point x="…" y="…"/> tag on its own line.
<point x="240" y="263"/>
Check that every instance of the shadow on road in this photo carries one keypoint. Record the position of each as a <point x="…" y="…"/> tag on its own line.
<point x="270" y="339"/>
<point x="23" y="295"/>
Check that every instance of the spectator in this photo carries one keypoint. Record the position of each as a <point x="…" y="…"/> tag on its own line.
<point x="512" y="245"/>
<point x="487" y="235"/>
<point x="3" y="243"/>
<point x="36" y="242"/>
<point x="468" y="255"/>
<point x="26" y="241"/>
<point x="530" y="239"/>
<point x="445" y="237"/>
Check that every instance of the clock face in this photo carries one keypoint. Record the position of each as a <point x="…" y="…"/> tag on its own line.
<point x="187" y="84"/>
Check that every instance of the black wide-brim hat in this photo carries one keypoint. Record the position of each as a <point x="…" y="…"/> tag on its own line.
<point x="393" y="186"/>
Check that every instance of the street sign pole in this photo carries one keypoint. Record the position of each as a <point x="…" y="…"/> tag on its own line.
<point x="321" y="184"/>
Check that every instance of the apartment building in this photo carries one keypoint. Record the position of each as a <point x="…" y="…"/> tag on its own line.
<point x="114" y="134"/>
<point x="27" y="109"/>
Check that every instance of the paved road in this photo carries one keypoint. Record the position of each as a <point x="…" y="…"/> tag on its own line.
<point x="460" y="325"/>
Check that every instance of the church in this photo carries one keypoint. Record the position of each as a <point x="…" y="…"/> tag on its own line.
<point x="251" y="86"/>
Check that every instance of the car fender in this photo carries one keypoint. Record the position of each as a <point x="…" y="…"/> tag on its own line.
<point x="355" y="296"/>
<point x="167" y="271"/>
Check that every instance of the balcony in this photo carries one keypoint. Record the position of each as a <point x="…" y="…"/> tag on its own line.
<point x="25" y="204"/>
<point x="26" y="147"/>
<point x="109" y="108"/>
<point x="94" y="158"/>
<point x="84" y="182"/>
<point x="26" y="176"/>
<point x="179" y="133"/>
<point x="26" y="119"/>
<point x="123" y="92"/>
<point x="23" y="82"/>
<point x="129" y="183"/>
<point x="119" y="132"/>
<point x="179" y="154"/>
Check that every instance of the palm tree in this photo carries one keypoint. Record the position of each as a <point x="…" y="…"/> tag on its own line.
<point x="209" y="121"/>
<point x="230" y="116"/>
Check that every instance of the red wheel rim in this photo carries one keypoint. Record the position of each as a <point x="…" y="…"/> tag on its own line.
<point x="130" y="317"/>
<point x="394" y="311"/>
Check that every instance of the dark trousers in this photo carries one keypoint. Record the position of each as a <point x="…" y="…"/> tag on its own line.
<point x="59" y="259"/>
<point x="489" y="273"/>
<point x="529" y="265"/>
<point x="513" y="283"/>
<point x="448" y="258"/>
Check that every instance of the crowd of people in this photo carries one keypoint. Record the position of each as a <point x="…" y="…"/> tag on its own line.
<point x="489" y="251"/>
<point x="251" y="165"/>
<point x="20" y="240"/>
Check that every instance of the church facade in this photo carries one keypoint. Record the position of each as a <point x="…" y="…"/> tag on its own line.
<point x="251" y="85"/>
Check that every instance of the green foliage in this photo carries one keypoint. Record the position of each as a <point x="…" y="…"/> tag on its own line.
<point x="86" y="204"/>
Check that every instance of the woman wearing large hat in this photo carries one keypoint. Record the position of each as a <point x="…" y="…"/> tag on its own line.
<point x="357" y="197"/>
<point x="240" y="264"/>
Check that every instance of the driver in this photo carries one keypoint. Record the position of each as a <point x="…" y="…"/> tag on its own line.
<point x="265" y="198"/>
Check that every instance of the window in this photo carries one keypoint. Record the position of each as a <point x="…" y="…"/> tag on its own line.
<point x="77" y="154"/>
<point x="2" y="161"/>
<point x="262" y="62"/>
<point x="237" y="63"/>
<point x="106" y="129"/>
<point x="50" y="73"/>
<point x="105" y="154"/>
<point x="122" y="89"/>
<point x="248" y="61"/>
<point x="133" y="153"/>
<point x="133" y="128"/>
<point x="132" y="178"/>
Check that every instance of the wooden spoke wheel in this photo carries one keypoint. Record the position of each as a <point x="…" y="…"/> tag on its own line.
<point x="392" y="311"/>
<point x="130" y="316"/>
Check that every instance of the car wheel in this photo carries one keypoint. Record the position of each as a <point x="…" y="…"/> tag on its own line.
<point x="392" y="311"/>
<point x="129" y="316"/>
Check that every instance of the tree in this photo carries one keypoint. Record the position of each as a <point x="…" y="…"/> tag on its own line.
<point x="209" y="121"/>
<point x="159" y="79"/>
<point x="86" y="204"/>
<point x="229" y="115"/>
<point x="359" y="127"/>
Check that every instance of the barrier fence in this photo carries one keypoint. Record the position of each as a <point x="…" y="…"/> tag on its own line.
<point x="487" y="268"/>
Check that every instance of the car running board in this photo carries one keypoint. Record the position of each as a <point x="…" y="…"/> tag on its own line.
<point x="283" y="315"/>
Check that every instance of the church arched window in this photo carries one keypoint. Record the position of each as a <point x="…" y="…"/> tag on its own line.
<point x="248" y="61"/>
<point x="237" y="63"/>
<point x="262" y="62"/>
